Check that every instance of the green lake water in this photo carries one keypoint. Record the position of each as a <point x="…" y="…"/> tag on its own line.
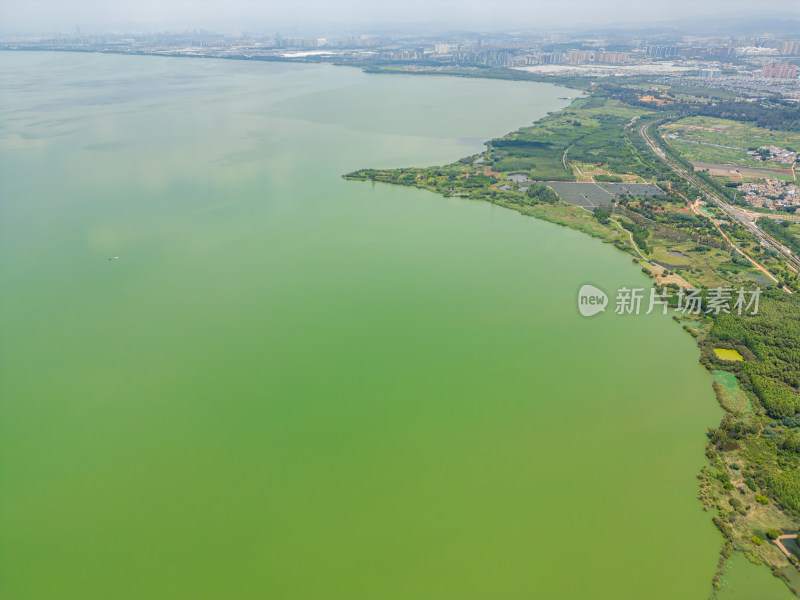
<point x="293" y="386"/>
<point x="745" y="581"/>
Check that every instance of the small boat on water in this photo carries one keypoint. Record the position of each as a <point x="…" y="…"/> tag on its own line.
<point x="114" y="258"/>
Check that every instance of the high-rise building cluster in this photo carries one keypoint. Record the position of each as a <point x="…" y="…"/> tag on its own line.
<point x="592" y="56"/>
<point x="662" y="51"/>
<point x="779" y="70"/>
<point x="581" y="56"/>
<point x="611" y="58"/>
<point x="790" y="48"/>
<point x="710" y="73"/>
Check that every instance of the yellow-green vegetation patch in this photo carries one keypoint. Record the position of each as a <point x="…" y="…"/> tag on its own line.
<point x="730" y="395"/>
<point x="724" y="354"/>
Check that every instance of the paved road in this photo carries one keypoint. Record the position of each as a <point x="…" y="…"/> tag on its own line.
<point x="746" y="218"/>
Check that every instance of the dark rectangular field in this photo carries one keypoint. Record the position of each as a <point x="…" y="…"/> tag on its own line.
<point x="592" y="195"/>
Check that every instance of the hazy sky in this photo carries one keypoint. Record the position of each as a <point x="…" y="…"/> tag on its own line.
<point x="329" y="15"/>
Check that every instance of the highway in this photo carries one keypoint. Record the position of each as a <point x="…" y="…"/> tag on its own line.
<point x="746" y="218"/>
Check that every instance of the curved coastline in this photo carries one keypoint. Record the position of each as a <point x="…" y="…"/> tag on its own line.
<point x="512" y="492"/>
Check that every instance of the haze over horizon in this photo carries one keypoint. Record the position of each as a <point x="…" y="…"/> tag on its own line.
<point x="340" y="16"/>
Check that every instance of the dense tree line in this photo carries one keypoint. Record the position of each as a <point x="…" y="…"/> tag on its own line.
<point x="781" y="232"/>
<point x="773" y="337"/>
<point x="639" y="233"/>
<point x="770" y="447"/>
<point x="541" y="193"/>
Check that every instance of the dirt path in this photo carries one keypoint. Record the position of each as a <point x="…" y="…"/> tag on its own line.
<point x="630" y="235"/>
<point x="779" y="543"/>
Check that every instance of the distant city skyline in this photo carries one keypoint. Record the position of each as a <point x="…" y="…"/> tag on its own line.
<point x="320" y="16"/>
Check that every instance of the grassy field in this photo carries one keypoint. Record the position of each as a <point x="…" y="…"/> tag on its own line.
<point x="575" y="218"/>
<point x="752" y="177"/>
<point x="702" y="140"/>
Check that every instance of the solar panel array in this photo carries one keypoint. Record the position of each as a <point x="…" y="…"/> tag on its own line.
<point x="594" y="195"/>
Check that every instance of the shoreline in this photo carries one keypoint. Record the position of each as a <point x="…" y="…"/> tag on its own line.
<point x="567" y="216"/>
<point x="712" y="490"/>
<point x="482" y="72"/>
